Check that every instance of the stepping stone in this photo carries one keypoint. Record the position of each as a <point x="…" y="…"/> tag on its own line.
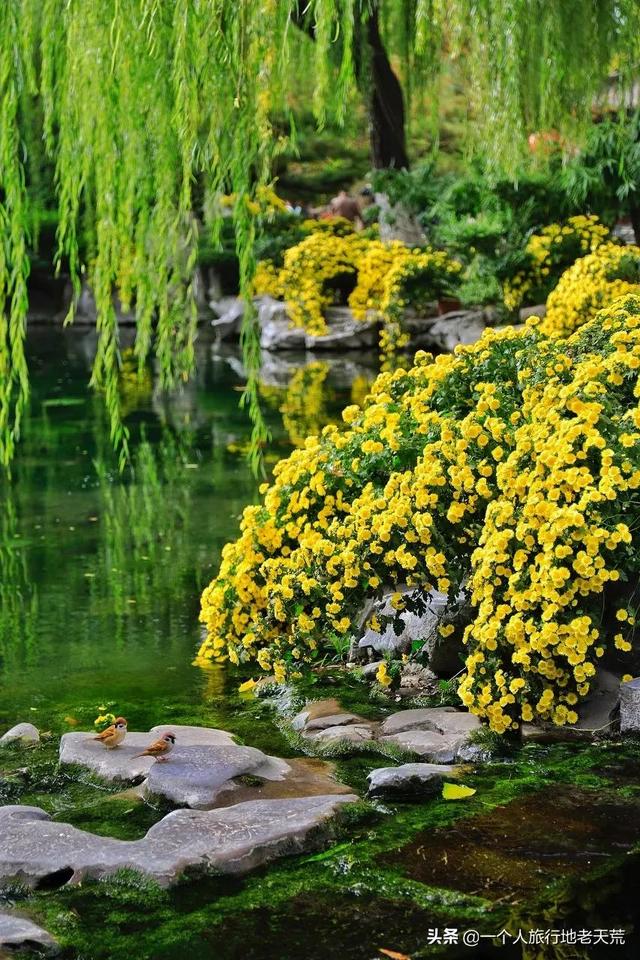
<point x="354" y="733"/>
<point x="122" y="763"/>
<point x="428" y="745"/>
<point x="19" y="933"/>
<point x="22" y="732"/>
<point x="326" y="720"/>
<point x="442" y="720"/>
<point x="410" y="779"/>
<point x="233" y="840"/>
<point x="195" y="775"/>
<point x="435" y="734"/>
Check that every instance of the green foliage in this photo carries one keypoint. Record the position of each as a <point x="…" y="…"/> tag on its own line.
<point x="146" y="112"/>
<point x="605" y="174"/>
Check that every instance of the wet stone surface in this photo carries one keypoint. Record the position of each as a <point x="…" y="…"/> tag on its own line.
<point x="122" y="763"/>
<point x="37" y="851"/>
<point x="516" y="850"/>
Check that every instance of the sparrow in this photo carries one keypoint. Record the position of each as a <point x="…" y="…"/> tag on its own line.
<point x="160" y="749"/>
<point x="113" y="736"/>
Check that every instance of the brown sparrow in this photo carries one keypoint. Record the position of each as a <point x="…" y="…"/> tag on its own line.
<point x="113" y="736"/>
<point x="160" y="749"/>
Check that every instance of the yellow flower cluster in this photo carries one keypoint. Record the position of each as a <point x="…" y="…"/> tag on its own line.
<point x="550" y="252"/>
<point x="590" y="284"/>
<point x="330" y="265"/>
<point x="511" y="465"/>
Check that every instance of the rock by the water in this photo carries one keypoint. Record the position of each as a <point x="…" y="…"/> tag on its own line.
<point x="232" y="840"/>
<point x="228" y="320"/>
<point x="457" y="327"/>
<point x="422" y="779"/>
<point x="630" y="706"/>
<point x="318" y="710"/>
<point x="122" y="763"/>
<point x="19" y="933"/>
<point x="326" y="722"/>
<point x="334" y="720"/>
<point x="195" y="775"/>
<point x="442" y="720"/>
<point x="435" y="734"/>
<point x="597" y="714"/>
<point x="276" y="331"/>
<point x="344" y="332"/>
<point x="23" y="733"/>
<point x="354" y="733"/>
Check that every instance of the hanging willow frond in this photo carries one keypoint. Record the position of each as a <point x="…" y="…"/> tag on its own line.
<point x="142" y="105"/>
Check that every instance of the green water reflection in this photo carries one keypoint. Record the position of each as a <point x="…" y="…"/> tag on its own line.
<point x="100" y="574"/>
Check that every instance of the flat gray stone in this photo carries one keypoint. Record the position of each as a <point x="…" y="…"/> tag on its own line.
<point x="232" y="840"/>
<point x="23" y="732"/>
<point x="19" y="933"/>
<point x="630" y="706"/>
<point x="121" y="763"/>
<point x="344" y="332"/>
<point x="335" y="720"/>
<point x="195" y="775"/>
<point x="276" y="329"/>
<point x="428" y="745"/>
<point x="353" y="733"/>
<point x="315" y="711"/>
<point x="422" y="779"/>
<point x="441" y="720"/>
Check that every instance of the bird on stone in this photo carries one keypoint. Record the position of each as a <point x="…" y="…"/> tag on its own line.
<point x="113" y="736"/>
<point x="160" y="749"/>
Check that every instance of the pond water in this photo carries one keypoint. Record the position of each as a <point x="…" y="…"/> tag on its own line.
<point x="100" y="576"/>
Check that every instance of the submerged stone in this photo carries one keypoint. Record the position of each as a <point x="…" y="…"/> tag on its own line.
<point x="36" y="850"/>
<point x="22" y="732"/>
<point x="410" y="779"/>
<point x="515" y="850"/>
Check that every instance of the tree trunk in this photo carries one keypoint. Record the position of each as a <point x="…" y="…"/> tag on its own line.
<point x="379" y="83"/>
<point x="386" y="108"/>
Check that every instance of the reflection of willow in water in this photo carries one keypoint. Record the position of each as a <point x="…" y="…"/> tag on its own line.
<point x="18" y="596"/>
<point x="308" y="402"/>
<point x="145" y="553"/>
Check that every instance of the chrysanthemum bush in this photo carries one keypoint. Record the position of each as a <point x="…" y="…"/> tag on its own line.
<point x="549" y="253"/>
<point x="329" y="267"/>
<point x="590" y="284"/>
<point x="511" y="466"/>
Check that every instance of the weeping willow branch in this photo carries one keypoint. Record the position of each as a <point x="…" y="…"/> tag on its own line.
<point x="137" y="102"/>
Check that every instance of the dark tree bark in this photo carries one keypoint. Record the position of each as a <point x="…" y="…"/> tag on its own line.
<point x="379" y="84"/>
<point x="386" y="109"/>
